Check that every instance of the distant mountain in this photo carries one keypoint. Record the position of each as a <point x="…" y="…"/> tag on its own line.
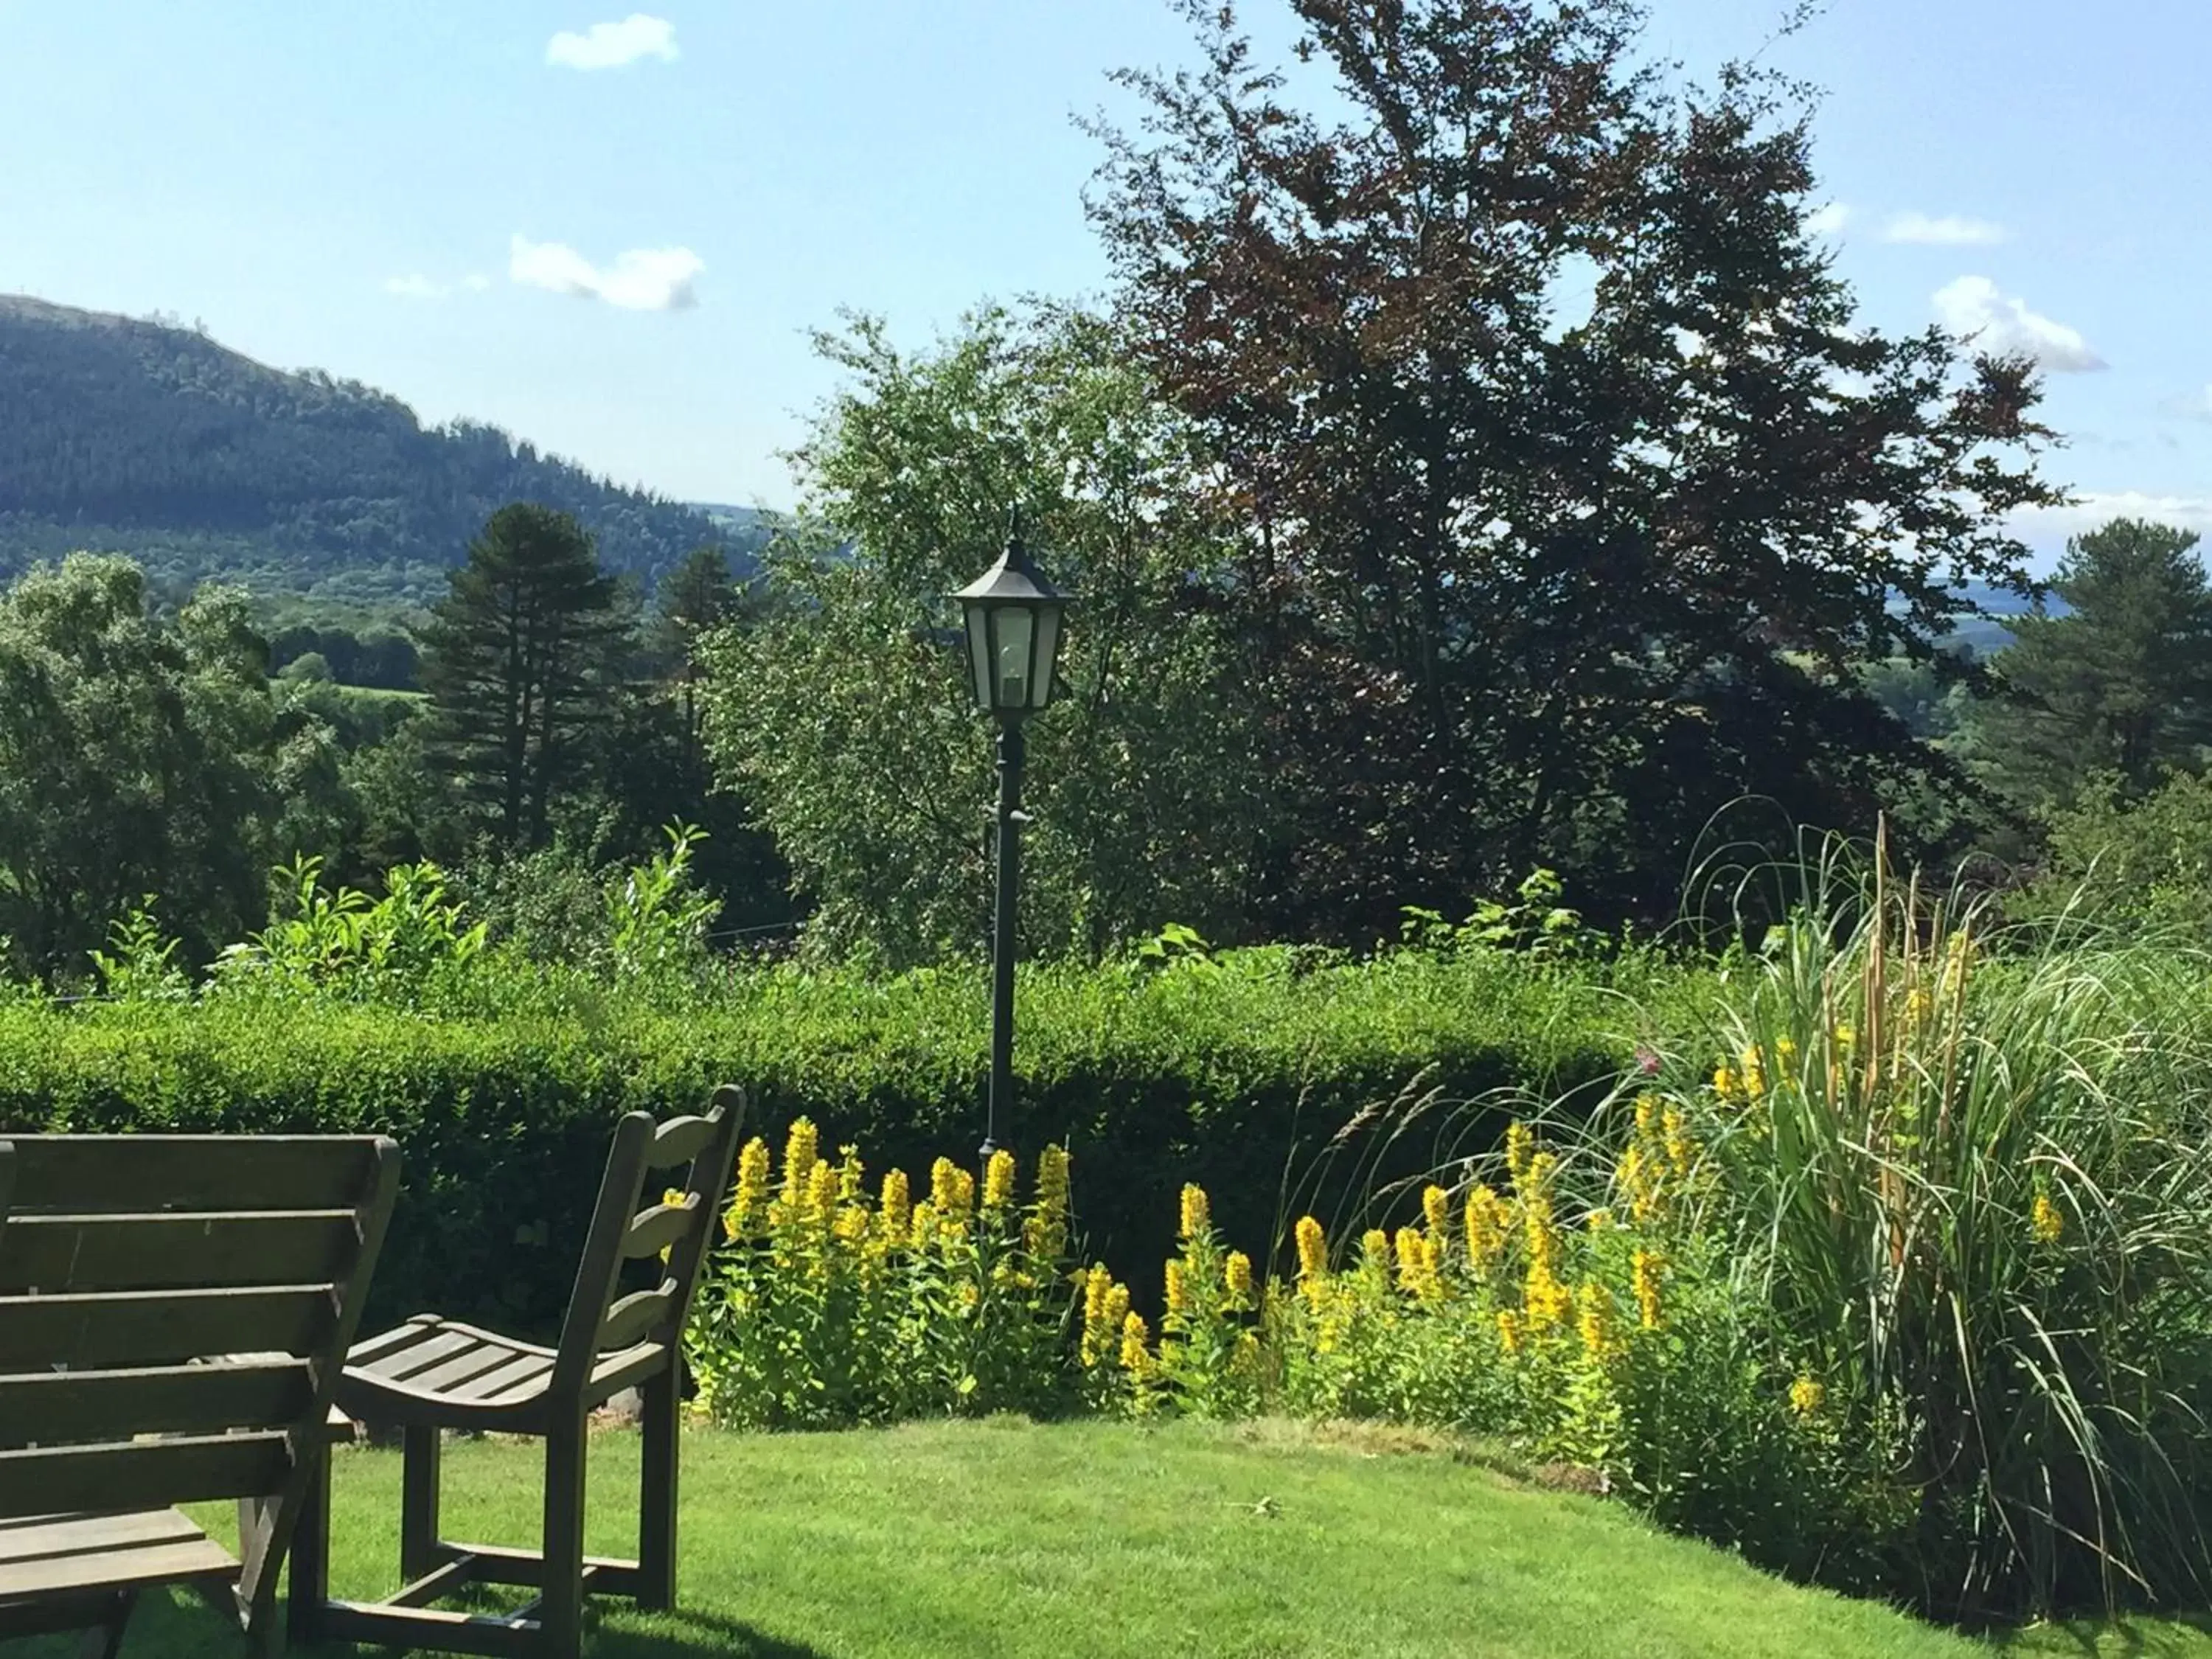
<point x="147" y="438"/>
<point x="1986" y="635"/>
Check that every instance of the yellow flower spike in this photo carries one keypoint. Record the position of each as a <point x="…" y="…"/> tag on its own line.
<point x="752" y="1187"/>
<point x="2045" y="1220"/>
<point x="1725" y="1083"/>
<point x="1594" y="1321"/>
<point x="1918" y="1006"/>
<point x="1679" y="1147"/>
<point x="1313" y="1248"/>
<point x="1116" y="1308"/>
<point x="896" y="1210"/>
<point x="1097" y="1284"/>
<point x="943" y="1177"/>
<point x="1599" y="1221"/>
<point x="1413" y="1267"/>
<point x="1197" y="1211"/>
<point x="1489" y="1220"/>
<point x="801" y="1148"/>
<point x="1245" y="1361"/>
<point x="1052" y="1180"/>
<point x="1754" y="1072"/>
<point x="922" y="1228"/>
<point x="852" y="1225"/>
<point x="1375" y="1247"/>
<point x="1237" y="1277"/>
<point x="1136" y="1339"/>
<point x="1520" y="1146"/>
<point x="851" y="1179"/>
<point x="1647" y="1271"/>
<point x="1806" y="1395"/>
<point x="1785" y="1050"/>
<point x="1509" y="1331"/>
<point x="822" y="1190"/>
<point x="1647" y="1112"/>
<point x="998" y="1180"/>
<point x="1843" y="1036"/>
<point x="1178" y="1292"/>
<point x="1435" y="1209"/>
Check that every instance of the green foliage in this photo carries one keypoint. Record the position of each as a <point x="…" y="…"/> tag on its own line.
<point x="2140" y="865"/>
<point x="410" y="948"/>
<point x="846" y="718"/>
<point x="2121" y="684"/>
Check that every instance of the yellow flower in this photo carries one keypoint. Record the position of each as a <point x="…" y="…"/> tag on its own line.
<point x="897" y="1209"/>
<point x="752" y="1187"/>
<point x="922" y="1228"/>
<point x="1197" y="1213"/>
<point x="672" y="1195"/>
<point x="1918" y="1005"/>
<point x="1754" y="1073"/>
<point x="1676" y="1138"/>
<point x="1489" y="1220"/>
<point x="1245" y="1361"/>
<point x="1594" y="1321"/>
<point x="851" y="1225"/>
<point x="1236" y="1276"/>
<point x="998" y="1180"/>
<point x="1544" y="1299"/>
<point x="2045" y="1220"/>
<point x="1115" y="1312"/>
<point x="1508" y="1330"/>
<point x="1599" y="1220"/>
<point x="1313" y="1248"/>
<point x="1136" y="1354"/>
<point x="1044" y="1233"/>
<point x="1435" y="1209"/>
<point x="1178" y="1296"/>
<point x="801" y="1148"/>
<point x="1647" y="1114"/>
<point x="1097" y="1284"/>
<point x="1414" y="1272"/>
<point x="1646" y="1270"/>
<point x="1843" y="1036"/>
<point x="952" y="1196"/>
<point x="1806" y="1395"/>
<point x="1725" y="1081"/>
<point x="1375" y="1247"/>
<point x="822" y="1189"/>
<point x="1640" y="1180"/>
<point x="1520" y="1146"/>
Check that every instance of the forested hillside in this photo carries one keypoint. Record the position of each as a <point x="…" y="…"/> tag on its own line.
<point x="150" y="439"/>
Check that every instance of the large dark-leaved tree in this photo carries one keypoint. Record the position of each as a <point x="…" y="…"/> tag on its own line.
<point x="516" y="658"/>
<point x="1572" y="491"/>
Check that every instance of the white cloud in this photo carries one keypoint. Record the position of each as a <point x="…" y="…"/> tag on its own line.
<point x="414" y="286"/>
<point x="1828" y="221"/>
<point x="1972" y="308"/>
<point x="476" y="282"/>
<point x="2052" y="524"/>
<point x="2198" y="406"/>
<point x="610" y="46"/>
<point x="1949" y="231"/>
<point x="642" y="279"/>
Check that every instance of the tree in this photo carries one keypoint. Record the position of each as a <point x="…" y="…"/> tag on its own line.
<point x="844" y="717"/>
<point x="2122" y="684"/>
<point x="516" y="658"/>
<point x="137" y="757"/>
<point x="1526" y="586"/>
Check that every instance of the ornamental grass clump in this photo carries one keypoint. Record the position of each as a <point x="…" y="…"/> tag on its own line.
<point x="1962" y="1178"/>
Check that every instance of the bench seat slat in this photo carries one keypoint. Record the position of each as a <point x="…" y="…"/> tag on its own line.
<point x="126" y="1566"/>
<point x="72" y="1534"/>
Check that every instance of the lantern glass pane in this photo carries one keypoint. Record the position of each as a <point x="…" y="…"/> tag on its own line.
<point x="1013" y="633"/>
<point x="1047" y="652"/>
<point x="979" y="653"/>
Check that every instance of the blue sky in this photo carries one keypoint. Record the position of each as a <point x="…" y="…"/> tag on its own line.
<point x="611" y="232"/>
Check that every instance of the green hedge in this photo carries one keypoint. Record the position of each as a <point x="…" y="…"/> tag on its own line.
<point x="1230" y="1073"/>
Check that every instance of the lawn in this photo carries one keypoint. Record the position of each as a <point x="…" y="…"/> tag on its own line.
<point x="1083" y="1541"/>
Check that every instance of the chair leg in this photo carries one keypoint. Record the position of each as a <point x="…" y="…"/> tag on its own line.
<point x="310" y="1585"/>
<point x="418" y="1502"/>
<point x="561" y="1607"/>
<point x="657" y="1472"/>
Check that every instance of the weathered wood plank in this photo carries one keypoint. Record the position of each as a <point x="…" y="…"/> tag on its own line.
<point x="516" y="1374"/>
<point x="463" y="1367"/>
<point x="658" y="1228"/>
<point x="73" y="1534"/>
<point x="679" y="1140"/>
<point x="81" y="1174"/>
<point x="117" y="1569"/>
<point x="633" y="1317"/>
<point x="49" y="1406"/>
<point x="368" y="1626"/>
<point x="143" y="1474"/>
<point x="155" y="1327"/>
<point x="399" y="1365"/>
<point x="132" y="1252"/>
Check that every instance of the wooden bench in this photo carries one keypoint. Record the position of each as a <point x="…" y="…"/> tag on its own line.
<point x="174" y="1314"/>
<point x="430" y="1374"/>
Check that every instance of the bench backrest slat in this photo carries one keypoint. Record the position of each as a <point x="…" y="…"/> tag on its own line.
<point x="162" y="1328"/>
<point x="84" y="1174"/>
<point x="151" y="1474"/>
<point x="126" y="1251"/>
<point x="69" y="1406"/>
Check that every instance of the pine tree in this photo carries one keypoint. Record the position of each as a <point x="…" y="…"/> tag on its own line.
<point x="2123" y="685"/>
<point x="517" y="659"/>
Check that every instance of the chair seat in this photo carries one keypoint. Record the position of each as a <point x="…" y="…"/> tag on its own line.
<point x="434" y="1370"/>
<point x="63" y="1555"/>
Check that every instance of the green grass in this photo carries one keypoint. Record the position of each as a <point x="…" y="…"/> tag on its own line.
<point x="1010" y="1539"/>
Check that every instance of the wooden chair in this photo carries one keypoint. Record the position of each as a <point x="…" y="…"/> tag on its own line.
<point x="175" y="1315"/>
<point x="433" y="1374"/>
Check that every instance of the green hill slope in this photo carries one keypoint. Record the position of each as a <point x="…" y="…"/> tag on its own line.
<point x="148" y="439"/>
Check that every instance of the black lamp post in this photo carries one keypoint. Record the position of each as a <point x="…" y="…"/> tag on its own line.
<point x="1013" y="617"/>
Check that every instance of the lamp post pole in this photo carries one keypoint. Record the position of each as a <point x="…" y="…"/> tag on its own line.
<point x="1012" y="751"/>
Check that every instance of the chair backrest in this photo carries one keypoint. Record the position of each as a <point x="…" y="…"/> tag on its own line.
<point x="692" y="1157"/>
<point x="175" y="1313"/>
